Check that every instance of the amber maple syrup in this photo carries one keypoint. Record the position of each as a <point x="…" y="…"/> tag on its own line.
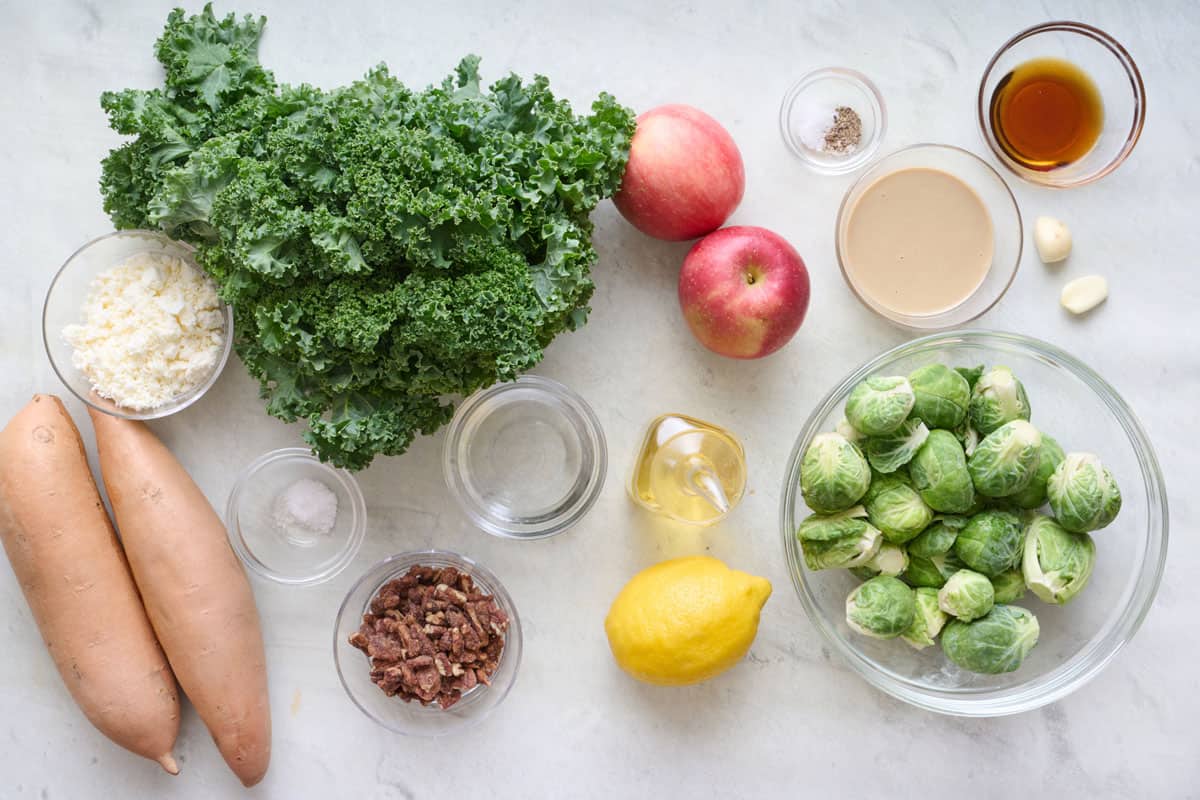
<point x="1046" y="113"/>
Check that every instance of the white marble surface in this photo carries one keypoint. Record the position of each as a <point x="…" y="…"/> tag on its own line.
<point x="792" y="720"/>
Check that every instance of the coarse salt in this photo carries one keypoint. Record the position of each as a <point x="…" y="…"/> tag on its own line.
<point x="812" y="123"/>
<point x="307" y="504"/>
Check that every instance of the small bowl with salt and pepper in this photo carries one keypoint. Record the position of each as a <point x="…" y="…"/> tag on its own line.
<point x="833" y="120"/>
<point x="295" y="520"/>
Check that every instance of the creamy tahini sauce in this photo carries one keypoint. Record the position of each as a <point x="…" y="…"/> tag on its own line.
<point x="918" y="241"/>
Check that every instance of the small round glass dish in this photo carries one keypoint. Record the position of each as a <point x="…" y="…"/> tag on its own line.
<point x="410" y="717"/>
<point x="1112" y="70"/>
<point x="808" y="110"/>
<point x="1083" y="412"/>
<point x="267" y="533"/>
<point x="997" y="199"/>
<point x="64" y="306"/>
<point x="525" y="459"/>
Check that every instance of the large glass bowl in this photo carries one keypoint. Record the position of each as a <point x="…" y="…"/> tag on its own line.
<point x="1111" y="68"/>
<point x="64" y="306"/>
<point x="1083" y="412"/>
<point x="412" y="718"/>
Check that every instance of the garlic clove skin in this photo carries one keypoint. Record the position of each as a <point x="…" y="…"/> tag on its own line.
<point x="1083" y="294"/>
<point x="1052" y="238"/>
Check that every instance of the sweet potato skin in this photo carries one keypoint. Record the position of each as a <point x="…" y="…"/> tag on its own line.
<point x="69" y="564"/>
<point x="194" y="588"/>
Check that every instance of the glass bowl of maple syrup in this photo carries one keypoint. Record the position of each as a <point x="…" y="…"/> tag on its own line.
<point x="1061" y="104"/>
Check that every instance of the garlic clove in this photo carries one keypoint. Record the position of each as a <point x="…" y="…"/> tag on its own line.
<point x="1083" y="294"/>
<point x="1052" y="239"/>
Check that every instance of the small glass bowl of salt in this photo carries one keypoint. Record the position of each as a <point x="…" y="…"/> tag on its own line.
<point x="833" y="120"/>
<point x="295" y="520"/>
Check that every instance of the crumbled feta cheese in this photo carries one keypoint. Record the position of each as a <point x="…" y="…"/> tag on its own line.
<point x="152" y="330"/>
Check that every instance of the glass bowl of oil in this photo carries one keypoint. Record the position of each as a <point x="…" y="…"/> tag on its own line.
<point x="1061" y="104"/>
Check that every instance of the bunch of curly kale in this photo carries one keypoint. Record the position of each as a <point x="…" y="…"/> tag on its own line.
<point x="383" y="248"/>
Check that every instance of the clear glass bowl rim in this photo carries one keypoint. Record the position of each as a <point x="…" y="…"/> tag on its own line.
<point x="1088" y="663"/>
<point x="358" y="508"/>
<point x="176" y="404"/>
<point x="898" y="320"/>
<point x="595" y="441"/>
<point x="392" y="566"/>
<point x="1131" y="70"/>
<point x="856" y="160"/>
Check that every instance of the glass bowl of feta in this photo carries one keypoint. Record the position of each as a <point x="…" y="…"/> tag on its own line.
<point x="134" y="327"/>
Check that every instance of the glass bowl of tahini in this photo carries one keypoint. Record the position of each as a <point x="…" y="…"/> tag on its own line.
<point x="929" y="237"/>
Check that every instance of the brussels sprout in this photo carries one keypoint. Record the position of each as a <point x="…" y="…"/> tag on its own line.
<point x="1034" y="493"/>
<point x="938" y="538"/>
<point x="879" y="404"/>
<point x="928" y="620"/>
<point x="991" y="542"/>
<point x="1009" y="586"/>
<point x="1083" y="494"/>
<point x="838" y="540"/>
<point x="892" y="451"/>
<point x="863" y="573"/>
<point x="941" y="395"/>
<point x="882" y="607"/>
<point x="852" y="434"/>
<point x="996" y="643"/>
<point x="1006" y="460"/>
<point x="931" y="572"/>
<point x="967" y="595"/>
<point x="939" y="473"/>
<point x="833" y="475"/>
<point x="967" y="436"/>
<point x="890" y="560"/>
<point x="971" y="374"/>
<point x="1057" y="563"/>
<point x="894" y="507"/>
<point x="997" y="397"/>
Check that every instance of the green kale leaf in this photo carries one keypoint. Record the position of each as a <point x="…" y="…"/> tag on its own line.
<point x="385" y="250"/>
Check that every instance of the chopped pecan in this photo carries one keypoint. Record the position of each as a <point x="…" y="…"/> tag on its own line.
<point x="432" y="636"/>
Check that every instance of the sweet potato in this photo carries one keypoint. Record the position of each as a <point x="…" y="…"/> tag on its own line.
<point x="194" y="589"/>
<point x="66" y="557"/>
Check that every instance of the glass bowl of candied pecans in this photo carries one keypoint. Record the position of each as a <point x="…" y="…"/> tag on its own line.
<point x="427" y="643"/>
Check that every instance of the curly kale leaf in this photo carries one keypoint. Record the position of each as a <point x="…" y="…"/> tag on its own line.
<point x="384" y="249"/>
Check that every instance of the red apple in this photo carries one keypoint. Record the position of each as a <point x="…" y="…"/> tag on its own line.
<point x="744" y="291"/>
<point x="684" y="177"/>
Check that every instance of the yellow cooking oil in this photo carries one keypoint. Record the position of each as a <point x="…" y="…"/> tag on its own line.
<point x="689" y="470"/>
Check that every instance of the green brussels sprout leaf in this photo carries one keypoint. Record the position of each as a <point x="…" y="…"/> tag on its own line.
<point x="941" y="395"/>
<point x="928" y="620"/>
<point x="971" y="374"/>
<point x="1034" y="493"/>
<point x="993" y="644"/>
<point x="996" y="398"/>
<point x="834" y="475"/>
<point x="991" y="542"/>
<point x="895" y="507"/>
<point x="939" y="473"/>
<point x="1057" y="563"/>
<point x="1006" y="460"/>
<point x="1083" y="494"/>
<point x="967" y="595"/>
<point x="879" y="404"/>
<point x="882" y="607"/>
<point x="892" y="451"/>
<point x="1009" y="586"/>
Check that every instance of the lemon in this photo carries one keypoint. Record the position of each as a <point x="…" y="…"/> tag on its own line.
<point x="685" y="620"/>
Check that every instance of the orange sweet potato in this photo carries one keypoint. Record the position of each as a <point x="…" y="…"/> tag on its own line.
<point x="66" y="557"/>
<point x="194" y="589"/>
